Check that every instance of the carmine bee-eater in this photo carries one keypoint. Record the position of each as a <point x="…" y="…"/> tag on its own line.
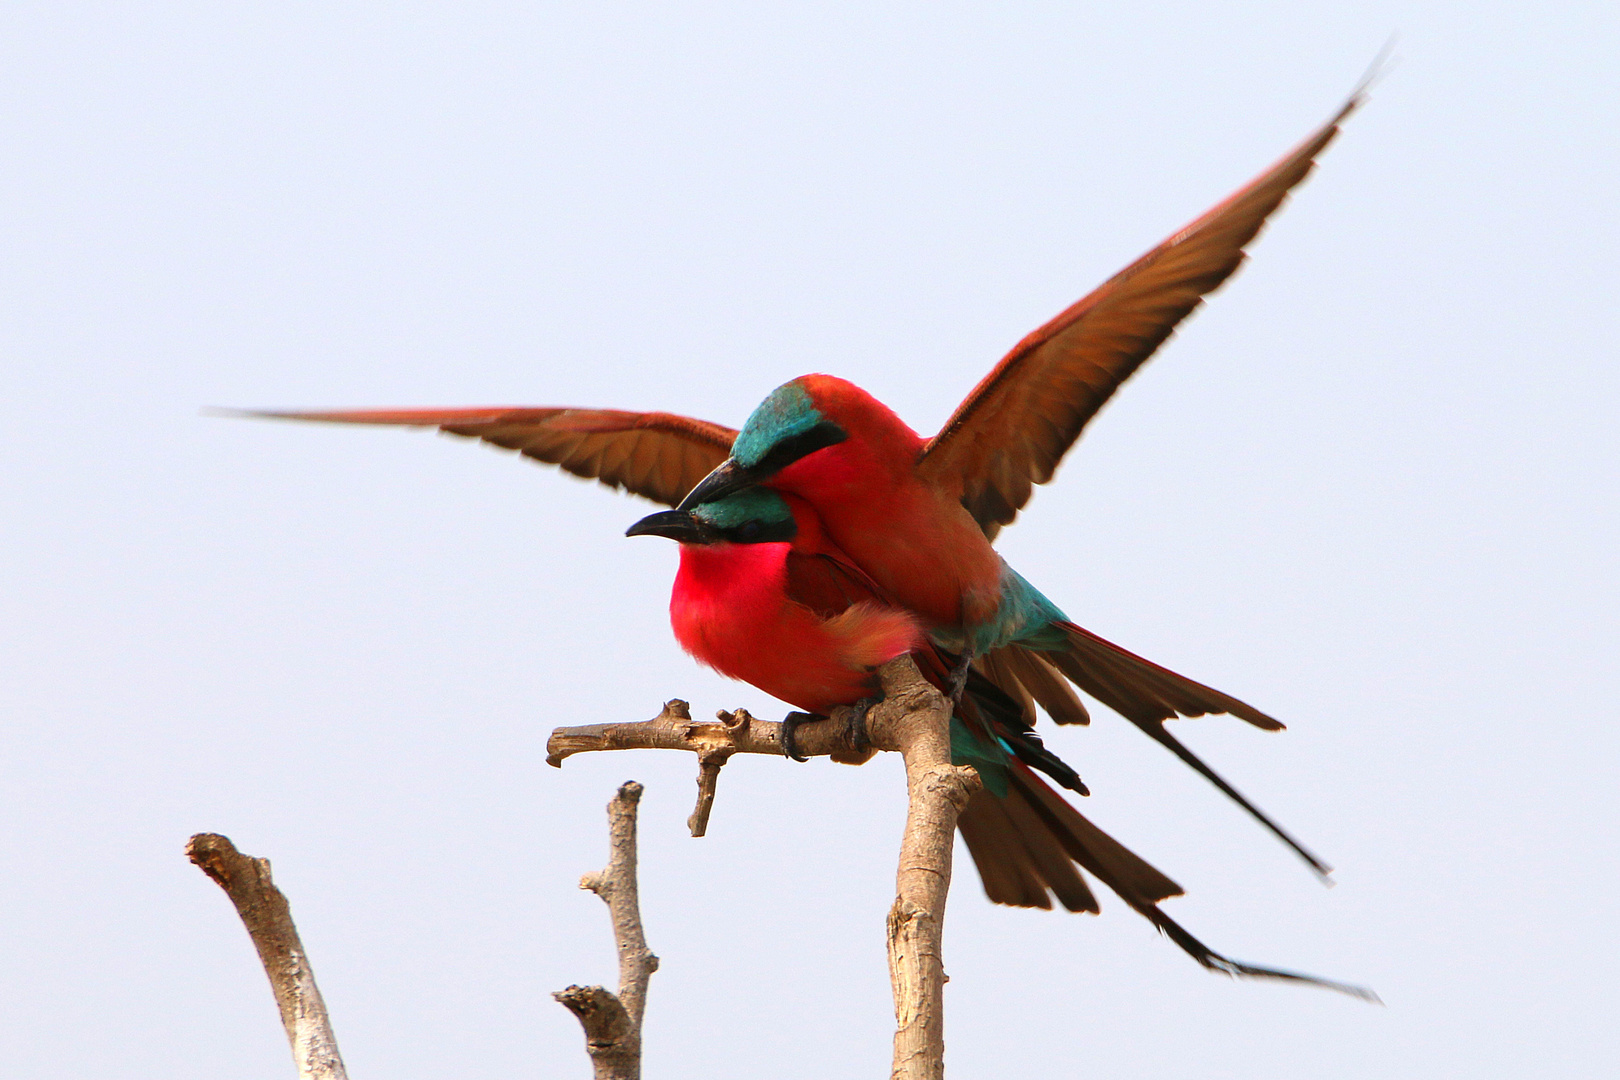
<point x="765" y="596"/>
<point x="917" y="516"/>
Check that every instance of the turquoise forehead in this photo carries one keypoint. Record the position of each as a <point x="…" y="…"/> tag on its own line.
<point x="788" y="411"/>
<point x="739" y="508"/>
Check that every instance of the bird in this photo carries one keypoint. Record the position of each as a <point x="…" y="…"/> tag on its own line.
<point x="917" y="516"/>
<point x="763" y="595"/>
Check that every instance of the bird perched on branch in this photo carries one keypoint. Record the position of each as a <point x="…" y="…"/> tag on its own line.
<point x="765" y="596"/>
<point x="917" y="516"/>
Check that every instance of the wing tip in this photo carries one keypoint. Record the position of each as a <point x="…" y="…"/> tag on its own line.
<point x="1383" y="63"/>
<point x="231" y="413"/>
<point x="381" y="417"/>
<point x="225" y="412"/>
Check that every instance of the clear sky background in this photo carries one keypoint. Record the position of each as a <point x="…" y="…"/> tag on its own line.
<point x="1370" y="488"/>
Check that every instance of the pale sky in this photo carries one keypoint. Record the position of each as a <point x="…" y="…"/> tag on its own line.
<point x="1371" y="489"/>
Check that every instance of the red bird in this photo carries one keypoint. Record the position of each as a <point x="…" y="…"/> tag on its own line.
<point x="916" y="516"/>
<point x="763" y="595"/>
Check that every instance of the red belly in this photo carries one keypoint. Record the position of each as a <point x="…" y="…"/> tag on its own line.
<point x="730" y="610"/>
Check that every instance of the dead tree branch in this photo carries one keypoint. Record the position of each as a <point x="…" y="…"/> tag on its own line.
<point x="914" y="720"/>
<point x="713" y="741"/>
<point x="612" y="1022"/>
<point x="264" y="911"/>
<point x="674" y="729"/>
<point x="936" y="791"/>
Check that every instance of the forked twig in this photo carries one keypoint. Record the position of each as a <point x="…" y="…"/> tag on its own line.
<point x="913" y="719"/>
<point x="612" y="1022"/>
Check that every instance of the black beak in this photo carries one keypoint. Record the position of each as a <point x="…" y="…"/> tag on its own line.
<point x="675" y="524"/>
<point x="727" y="477"/>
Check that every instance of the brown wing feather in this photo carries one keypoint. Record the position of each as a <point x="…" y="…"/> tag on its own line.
<point x="828" y="585"/>
<point x="1044" y="684"/>
<point x="659" y="456"/>
<point x="1015" y="427"/>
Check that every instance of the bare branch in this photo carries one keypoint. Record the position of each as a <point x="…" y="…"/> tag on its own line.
<point x="674" y="729"/>
<point x="265" y="913"/>
<point x="713" y="741"/>
<point x="914" y="720"/>
<point x="937" y="791"/>
<point x="618" y="889"/>
<point x="608" y="1034"/>
<point x="612" y="1022"/>
<point x="739" y="733"/>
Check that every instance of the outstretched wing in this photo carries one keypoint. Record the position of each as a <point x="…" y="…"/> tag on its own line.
<point x="1015" y="427"/>
<point x="659" y="456"/>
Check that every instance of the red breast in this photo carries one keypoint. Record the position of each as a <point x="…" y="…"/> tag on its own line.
<point x="730" y="609"/>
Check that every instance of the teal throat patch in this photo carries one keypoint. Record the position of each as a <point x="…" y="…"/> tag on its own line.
<point x="753" y="504"/>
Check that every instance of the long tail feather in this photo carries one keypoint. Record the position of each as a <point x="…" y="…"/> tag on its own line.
<point x="1035" y="673"/>
<point x="1019" y="864"/>
<point x="1123" y="872"/>
<point x="1026" y="843"/>
<point x="1147" y="695"/>
<point x="1157" y="733"/>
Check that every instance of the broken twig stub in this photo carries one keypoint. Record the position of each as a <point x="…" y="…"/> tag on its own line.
<point x="268" y="918"/>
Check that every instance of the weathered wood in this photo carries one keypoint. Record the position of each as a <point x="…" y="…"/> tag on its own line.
<point x="612" y="1022"/>
<point x="268" y="918"/>
<point x="913" y="719"/>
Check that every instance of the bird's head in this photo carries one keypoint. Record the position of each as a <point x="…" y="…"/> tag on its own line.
<point x="794" y="421"/>
<point x="752" y="515"/>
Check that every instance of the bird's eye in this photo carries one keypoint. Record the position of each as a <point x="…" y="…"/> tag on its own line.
<point x="749" y="531"/>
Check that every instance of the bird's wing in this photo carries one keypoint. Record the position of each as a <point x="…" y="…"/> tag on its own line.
<point x="820" y="575"/>
<point x="829" y="585"/>
<point x="1015" y="427"/>
<point x="659" y="456"/>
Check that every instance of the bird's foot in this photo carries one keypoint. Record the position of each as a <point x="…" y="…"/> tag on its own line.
<point x="790" y="724"/>
<point x="959" y="676"/>
<point x="855" y="723"/>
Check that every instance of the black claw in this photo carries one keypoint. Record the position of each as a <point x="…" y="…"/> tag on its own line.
<point x="959" y="676"/>
<point x="855" y="723"/>
<point x="790" y="723"/>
